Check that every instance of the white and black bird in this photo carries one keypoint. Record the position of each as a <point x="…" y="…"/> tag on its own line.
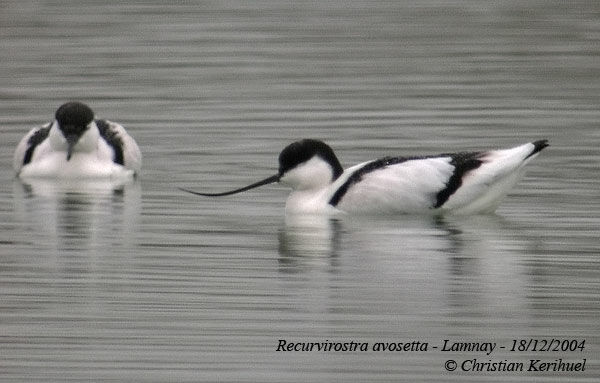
<point x="463" y="183"/>
<point x="77" y="146"/>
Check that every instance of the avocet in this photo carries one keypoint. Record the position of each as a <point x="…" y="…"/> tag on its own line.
<point x="463" y="183"/>
<point x="77" y="146"/>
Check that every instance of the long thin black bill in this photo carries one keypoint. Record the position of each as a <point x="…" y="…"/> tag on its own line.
<point x="71" y="142"/>
<point x="266" y="181"/>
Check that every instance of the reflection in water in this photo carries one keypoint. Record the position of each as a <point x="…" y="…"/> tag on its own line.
<point x="307" y="239"/>
<point x="486" y="277"/>
<point x="78" y="215"/>
<point x="465" y="264"/>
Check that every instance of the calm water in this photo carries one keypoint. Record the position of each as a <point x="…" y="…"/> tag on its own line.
<point x="142" y="282"/>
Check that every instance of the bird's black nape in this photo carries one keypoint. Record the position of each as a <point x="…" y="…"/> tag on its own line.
<point x="301" y="151"/>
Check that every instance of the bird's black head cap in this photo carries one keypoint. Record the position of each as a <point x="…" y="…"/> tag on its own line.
<point x="303" y="150"/>
<point x="73" y="117"/>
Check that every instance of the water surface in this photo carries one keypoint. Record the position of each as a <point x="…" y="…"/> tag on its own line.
<point x="141" y="282"/>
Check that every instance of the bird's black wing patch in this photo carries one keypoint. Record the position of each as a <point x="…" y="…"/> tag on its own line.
<point x="36" y="138"/>
<point x="112" y="138"/>
<point x="463" y="163"/>
<point x="368" y="168"/>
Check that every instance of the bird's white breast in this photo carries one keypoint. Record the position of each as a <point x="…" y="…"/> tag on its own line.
<point x="92" y="158"/>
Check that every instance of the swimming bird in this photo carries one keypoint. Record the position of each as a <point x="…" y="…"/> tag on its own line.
<point x="464" y="182"/>
<point x="76" y="145"/>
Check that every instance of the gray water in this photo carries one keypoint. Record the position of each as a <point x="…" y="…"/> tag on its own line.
<point x="143" y="282"/>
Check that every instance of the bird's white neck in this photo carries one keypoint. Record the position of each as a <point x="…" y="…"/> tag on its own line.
<point x="311" y="175"/>
<point x="88" y="142"/>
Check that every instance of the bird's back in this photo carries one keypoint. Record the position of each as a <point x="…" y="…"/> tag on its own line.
<point x="469" y="182"/>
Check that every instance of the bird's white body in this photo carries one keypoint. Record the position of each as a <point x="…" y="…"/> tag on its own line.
<point x="461" y="183"/>
<point x="409" y="187"/>
<point x="42" y="153"/>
